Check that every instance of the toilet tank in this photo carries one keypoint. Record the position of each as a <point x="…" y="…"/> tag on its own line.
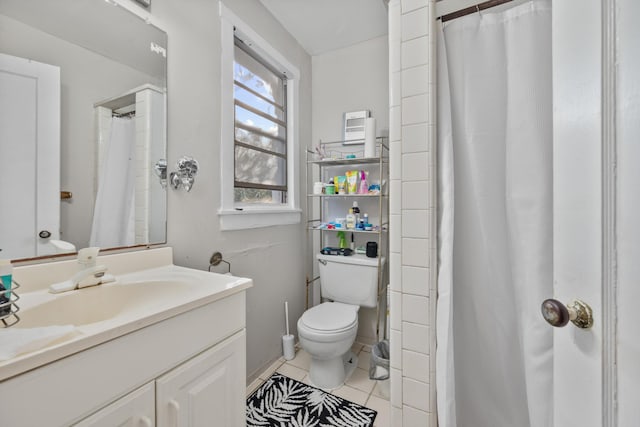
<point x="349" y="279"/>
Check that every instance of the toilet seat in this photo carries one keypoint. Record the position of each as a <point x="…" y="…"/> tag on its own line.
<point x="330" y="318"/>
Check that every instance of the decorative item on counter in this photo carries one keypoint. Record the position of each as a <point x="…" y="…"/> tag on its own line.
<point x="374" y="189"/>
<point x="341" y="184"/>
<point x="363" y="188"/>
<point x="352" y="182"/>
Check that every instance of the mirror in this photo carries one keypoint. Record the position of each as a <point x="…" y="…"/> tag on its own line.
<point x="82" y="127"/>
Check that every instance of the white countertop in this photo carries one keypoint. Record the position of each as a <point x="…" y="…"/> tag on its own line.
<point x="180" y="290"/>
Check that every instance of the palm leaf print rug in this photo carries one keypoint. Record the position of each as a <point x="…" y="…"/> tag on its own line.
<point x="282" y="401"/>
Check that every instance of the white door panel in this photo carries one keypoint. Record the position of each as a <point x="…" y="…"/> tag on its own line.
<point x="29" y="156"/>
<point x="577" y="208"/>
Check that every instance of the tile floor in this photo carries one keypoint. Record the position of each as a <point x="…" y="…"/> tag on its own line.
<point x="358" y="388"/>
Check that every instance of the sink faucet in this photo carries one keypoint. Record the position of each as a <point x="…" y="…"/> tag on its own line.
<point x="90" y="274"/>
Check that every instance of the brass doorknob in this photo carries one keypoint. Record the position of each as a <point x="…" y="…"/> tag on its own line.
<point x="558" y="315"/>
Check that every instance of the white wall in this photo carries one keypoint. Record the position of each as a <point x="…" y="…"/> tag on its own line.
<point x="350" y="79"/>
<point x="273" y="257"/>
<point x="628" y="135"/>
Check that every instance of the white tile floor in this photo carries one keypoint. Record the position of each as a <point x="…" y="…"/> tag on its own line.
<point x="358" y="388"/>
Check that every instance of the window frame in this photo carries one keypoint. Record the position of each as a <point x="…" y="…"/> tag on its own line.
<point x="281" y="122"/>
<point x="237" y="216"/>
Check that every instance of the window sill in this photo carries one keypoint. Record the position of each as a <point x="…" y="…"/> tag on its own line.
<point x="247" y="218"/>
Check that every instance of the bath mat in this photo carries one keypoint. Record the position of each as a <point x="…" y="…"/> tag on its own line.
<point x="282" y="401"/>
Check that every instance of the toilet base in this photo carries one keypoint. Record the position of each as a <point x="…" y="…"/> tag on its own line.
<point x="332" y="373"/>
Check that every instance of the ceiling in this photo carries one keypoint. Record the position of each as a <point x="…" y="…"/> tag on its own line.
<point x="324" y="25"/>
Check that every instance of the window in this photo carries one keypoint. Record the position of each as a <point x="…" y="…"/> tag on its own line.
<point x="259" y="152"/>
<point x="260" y="129"/>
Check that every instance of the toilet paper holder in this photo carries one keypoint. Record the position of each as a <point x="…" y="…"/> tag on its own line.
<point x="216" y="259"/>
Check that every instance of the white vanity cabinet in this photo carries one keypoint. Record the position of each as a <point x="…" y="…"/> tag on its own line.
<point x="205" y="391"/>
<point x="187" y="370"/>
<point x="201" y="392"/>
<point x="136" y="409"/>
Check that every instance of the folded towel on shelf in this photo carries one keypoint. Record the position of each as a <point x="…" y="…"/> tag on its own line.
<point x="16" y="341"/>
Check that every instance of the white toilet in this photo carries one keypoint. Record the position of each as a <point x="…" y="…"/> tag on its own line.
<point x="328" y="330"/>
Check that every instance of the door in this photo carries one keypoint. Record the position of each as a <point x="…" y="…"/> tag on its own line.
<point x="206" y="391"/>
<point x="29" y="156"/>
<point x="577" y="210"/>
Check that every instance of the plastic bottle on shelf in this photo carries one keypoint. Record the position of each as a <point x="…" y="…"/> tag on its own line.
<point x="356" y="211"/>
<point x="367" y="225"/>
<point x="351" y="220"/>
<point x="364" y="187"/>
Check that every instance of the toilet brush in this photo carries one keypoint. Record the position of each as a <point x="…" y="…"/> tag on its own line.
<point x="288" y="348"/>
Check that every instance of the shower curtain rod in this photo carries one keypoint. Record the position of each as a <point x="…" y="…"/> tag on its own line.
<point x="472" y="9"/>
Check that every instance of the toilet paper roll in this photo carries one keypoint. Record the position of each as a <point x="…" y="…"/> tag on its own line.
<point x="370" y="137"/>
<point x="288" y="347"/>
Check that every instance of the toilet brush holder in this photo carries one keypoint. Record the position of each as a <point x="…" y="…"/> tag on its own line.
<point x="288" y="347"/>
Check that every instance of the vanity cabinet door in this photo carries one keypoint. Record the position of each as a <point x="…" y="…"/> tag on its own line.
<point x="208" y="390"/>
<point x="136" y="409"/>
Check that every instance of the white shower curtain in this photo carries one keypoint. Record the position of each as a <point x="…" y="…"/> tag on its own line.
<point x="113" y="216"/>
<point x="494" y="351"/>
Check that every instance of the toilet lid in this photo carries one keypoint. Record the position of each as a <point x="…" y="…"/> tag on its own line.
<point x="330" y="317"/>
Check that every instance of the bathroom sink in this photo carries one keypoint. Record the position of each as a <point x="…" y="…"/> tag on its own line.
<point x="101" y="303"/>
<point x="148" y="290"/>
<point x="133" y="301"/>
